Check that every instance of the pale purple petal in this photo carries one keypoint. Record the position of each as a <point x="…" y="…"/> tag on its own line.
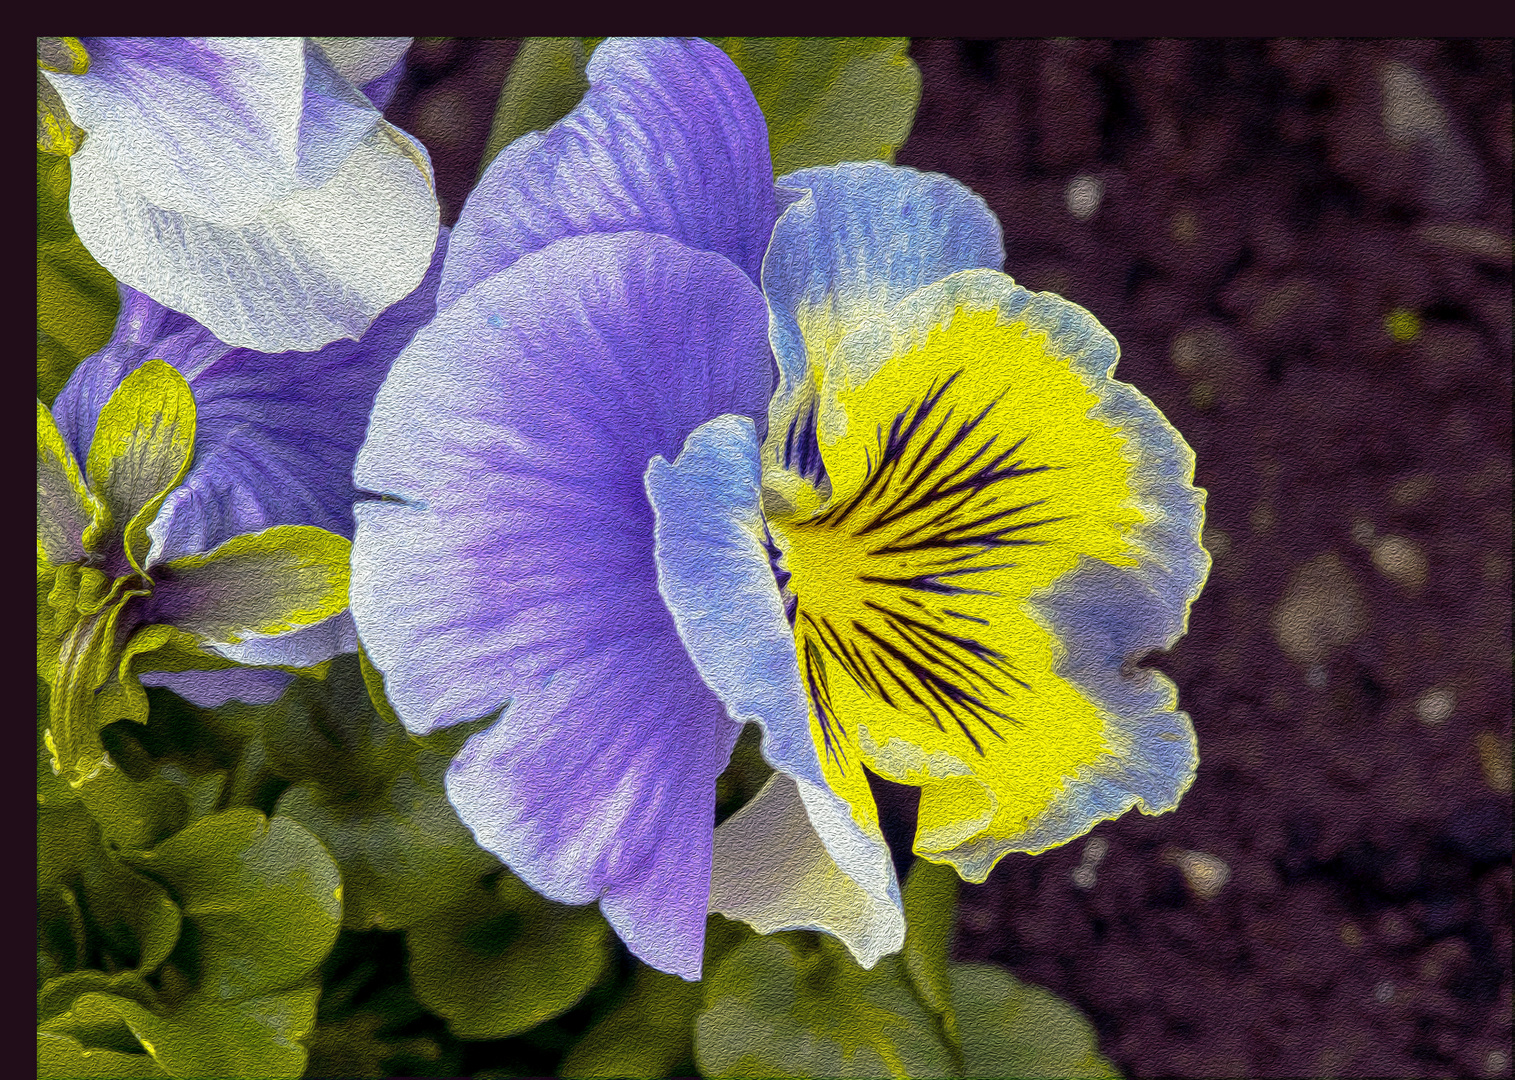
<point x="246" y="182"/>
<point x="601" y="785"/>
<point x="513" y="560"/>
<point x="668" y="140"/>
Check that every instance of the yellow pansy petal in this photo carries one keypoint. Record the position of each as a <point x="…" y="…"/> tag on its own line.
<point x="990" y="484"/>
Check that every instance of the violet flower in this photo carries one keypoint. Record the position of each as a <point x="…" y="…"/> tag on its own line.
<point x="937" y="554"/>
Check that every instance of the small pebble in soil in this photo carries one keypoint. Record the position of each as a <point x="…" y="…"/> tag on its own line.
<point x="1084" y="195"/>
<point x="1094" y="851"/>
<point x="1435" y="706"/>
<point x="1205" y="875"/>
<point x="1401" y="561"/>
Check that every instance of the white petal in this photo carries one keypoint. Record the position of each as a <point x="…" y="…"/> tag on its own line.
<point x="771" y="870"/>
<point x="250" y="187"/>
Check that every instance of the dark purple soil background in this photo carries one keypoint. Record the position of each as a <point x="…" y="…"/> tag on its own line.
<point x="1265" y="207"/>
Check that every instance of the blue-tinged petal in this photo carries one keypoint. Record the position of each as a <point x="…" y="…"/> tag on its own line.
<point x="246" y="183"/>
<point x="512" y="561"/>
<point x="715" y="576"/>
<point x="667" y="140"/>
<point x="306" y="647"/>
<point x="209" y="689"/>
<point x="865" y="236"/>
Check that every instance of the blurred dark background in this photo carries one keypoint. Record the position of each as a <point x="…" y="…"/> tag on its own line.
<point x="1304" y="248"/>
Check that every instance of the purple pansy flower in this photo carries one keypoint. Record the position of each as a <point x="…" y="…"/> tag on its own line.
<point x="599" y="303"/>
<point x="195" y="513"/>
<point x="248" y="182"/>
<point x="937" y="553"/>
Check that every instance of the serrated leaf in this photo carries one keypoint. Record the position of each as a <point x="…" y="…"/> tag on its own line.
<point x="796" y="1004"/>
<point x="829" y="100"/>
<point x="264" y="898"/>
<point x="502" y="960"/>
<point x="1010" y="1028"/>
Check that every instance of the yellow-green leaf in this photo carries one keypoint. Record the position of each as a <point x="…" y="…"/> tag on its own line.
<point x="930" y="900"/>
<point x="263" y="583"/>
<point x="546" y="81"/>
<point x="77" y="299"/>
<point x="1010" y="1028"/>
<point x="65" y="506"/>
<point x="829" y="100"/>
<point x="144" y="441"/>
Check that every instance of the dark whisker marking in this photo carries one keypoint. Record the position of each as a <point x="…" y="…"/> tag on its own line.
<point x="960" y="615"/>
<point x="819" y="687"/>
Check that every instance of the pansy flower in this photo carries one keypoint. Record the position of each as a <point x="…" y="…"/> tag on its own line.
<point x="194" y="514"/>
<point x="591" y="520"/>
<point x="247" y="182"/>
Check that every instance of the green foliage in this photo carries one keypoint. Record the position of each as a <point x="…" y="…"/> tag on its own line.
<point x="77" y="299"/>
<point x="649" y="1032"/>
<point x="190" y="958"/>
<point x="829" y="100"/>
<point x="1011" y="1029"/>
<point x="797" y="1004"/>
<point x="500" y="959"/>
<point x="930" y="898"/>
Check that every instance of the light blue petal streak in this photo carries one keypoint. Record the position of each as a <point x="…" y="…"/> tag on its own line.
<point x="861" y="238"/>
<point x="714" y="576"/>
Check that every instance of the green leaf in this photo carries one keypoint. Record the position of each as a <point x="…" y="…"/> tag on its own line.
<point x="265" y="583"/>
<point x="260" y="1036"/>
<point x="65" y="507"/>
<point x="133" y="814"/>
<point x="143" y="443"/>
<point x="1008" y="1028"/>
<point x="77" y="299"/>
<point x="86" y="661"/>
<point x="930" y="899"/>
<point x="62" y="1057"/>
<point x="104" y="910"/>
<point x="546" y="81"/>
<point x="403" y="858"/>
<point x="829" y="100"/>
<point x="264" y="898"/>
<point x="797" y="1004"/>
<point x="648" y="1033"/>
<point x="500" y="960"/>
